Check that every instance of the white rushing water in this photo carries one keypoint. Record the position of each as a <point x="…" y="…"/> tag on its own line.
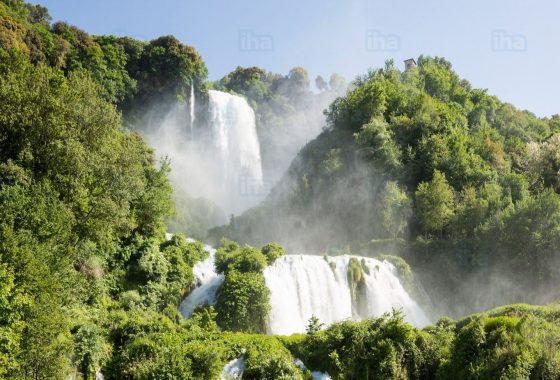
<point x="233" y="370"/>
<point x="304" y="286"/>
<point x="216" y="158"/>
<point x="191" y="110"/>
<point x="235" y="137"/>
<point x="315" y="375"/>
<point x="207" y="282"/>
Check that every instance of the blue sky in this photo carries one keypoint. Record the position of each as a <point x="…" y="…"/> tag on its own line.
<point x="510" y="47"/>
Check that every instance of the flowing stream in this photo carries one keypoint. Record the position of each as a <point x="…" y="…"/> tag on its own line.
<point x="206" y="286"/>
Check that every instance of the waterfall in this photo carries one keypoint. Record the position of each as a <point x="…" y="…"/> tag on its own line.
<point x="315" y="375"/>
<point x="206" y="286"/>
<point x="235" y="137"/>
<point x="191" y="110"/>
<point x="217" y="166"/>
<point x="302" y="286"/>
<point x="233" y="370"/>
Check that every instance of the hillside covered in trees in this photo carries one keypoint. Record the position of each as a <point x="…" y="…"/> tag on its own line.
<point x="420" y="164"/>
<point x="416" y="164"/>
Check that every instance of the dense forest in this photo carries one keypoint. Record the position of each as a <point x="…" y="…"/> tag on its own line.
<point x="421" y="165"/>
<point x="414" y="164"/>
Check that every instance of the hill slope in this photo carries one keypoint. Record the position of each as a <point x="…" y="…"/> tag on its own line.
<point x="421" y="164"/>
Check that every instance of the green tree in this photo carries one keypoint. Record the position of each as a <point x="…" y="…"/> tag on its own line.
<point x="396" y="209"/>
<point x="337" y="84"/>
<point x="321" y="84"/>
<point x="272" y="252"/>
<point x="38" y="14"/>
<point x="243" y="302"/>
<point x="434" y="204"/>
<point x="166" y="69"/>
<point x="246" y="259"/>
<point x="378" y="142"/>
<point x="543" y="163"/>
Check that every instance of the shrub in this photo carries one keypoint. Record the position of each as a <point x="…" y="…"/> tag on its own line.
<point x="272" y="251"/>
<point x="243" y="302"/>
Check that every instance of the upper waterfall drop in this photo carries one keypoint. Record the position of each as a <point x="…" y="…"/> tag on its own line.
<point x="192" y="110"/>
<point x="235" y="136"/>
<point x="215" y="157"/>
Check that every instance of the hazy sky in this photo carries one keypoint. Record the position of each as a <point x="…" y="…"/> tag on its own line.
<point x="510" y="47"/>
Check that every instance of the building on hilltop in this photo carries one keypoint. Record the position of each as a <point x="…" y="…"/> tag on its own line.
<point x="409" y="64"/>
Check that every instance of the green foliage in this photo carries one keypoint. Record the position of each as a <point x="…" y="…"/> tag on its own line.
<point x="168" y="356"/>
<point x="91" y="349"/>
<point x="164" y="71"/>
<point x="435" y="203"/>
<point x="272" y="252"/>
<point x="504" y="347"/>
<point x="231" y="257"/>
<point x="130" y="73"/>
<point x="378" y="141"/>
<point x="403" y="269"/>
<point x="355" y="275"/>
<point x="396" y="210"/>
<point x="205" y="318"/>
<point x="191" y="251"/>
<point x="314" y="325"/>
<point x="189" y="353"/>
<point x="332" y="163"/>
<point x="543" y="163"/>
<point x="383" y="348"/>
<point x="243" y="302"/>
<point x="527" y="233"/>
<point x="243" y="299"/>
<point x="85" y="144"/>
<point x="83" y="201"/>
<point x="321" y="83"/>
<point x="492" y="345"/>
<point x="268" y="360"/>
<point x="88" y="281"/>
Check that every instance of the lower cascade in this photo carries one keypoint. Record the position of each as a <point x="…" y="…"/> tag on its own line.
<point x="302" y="286"/>
<point x="233" y="370"/>
<point x="207" y="284"/>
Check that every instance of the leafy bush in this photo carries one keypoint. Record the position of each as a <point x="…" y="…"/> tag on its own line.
<point x="243" y="302"/>
<point x="246" y="259"/>
<point x="272" y="251"/>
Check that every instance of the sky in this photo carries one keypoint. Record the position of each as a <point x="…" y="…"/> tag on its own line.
<point x="510" y="47"/>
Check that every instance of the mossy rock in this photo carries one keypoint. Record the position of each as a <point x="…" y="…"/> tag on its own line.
<point x="332" y="264"/>
<point x="356" y="277"/>
<point x="403" y="270"/>
<point x="355" y="272"/>
<point x="365" y="268"/>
